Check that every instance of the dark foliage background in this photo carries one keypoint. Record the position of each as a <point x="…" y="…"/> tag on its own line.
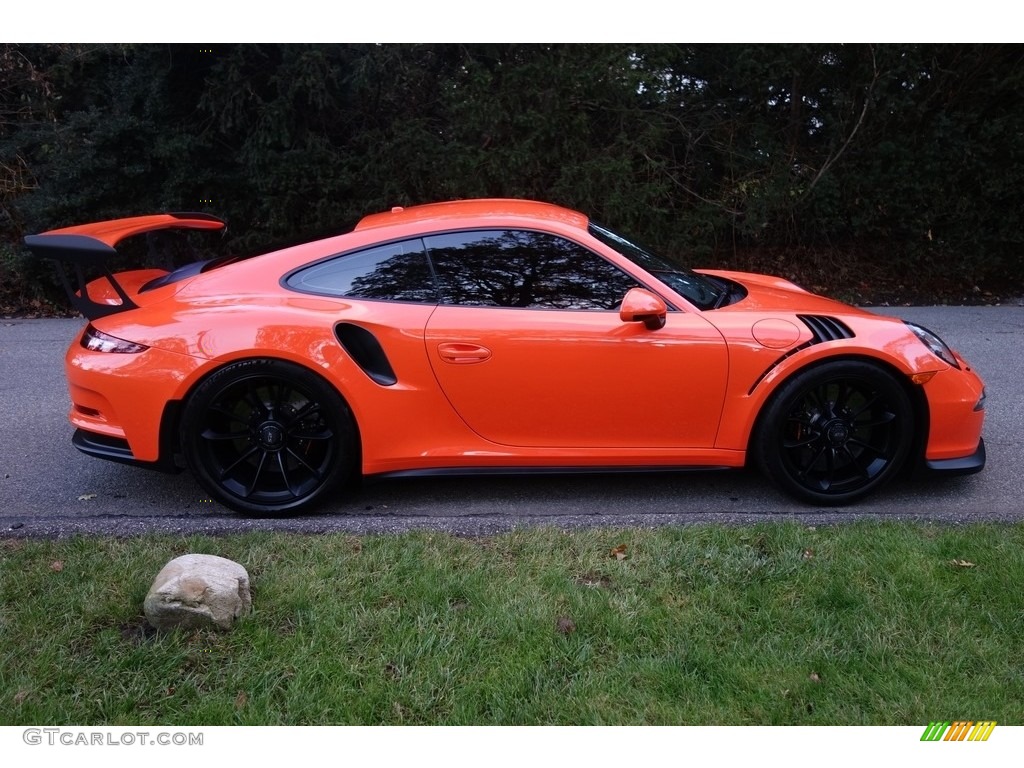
<point x="884" y="172"/>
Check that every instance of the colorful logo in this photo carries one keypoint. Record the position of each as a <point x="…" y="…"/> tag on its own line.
<point x="961" y="730"/>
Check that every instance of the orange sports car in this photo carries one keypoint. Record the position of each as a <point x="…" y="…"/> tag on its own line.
<point x="491" y="336"/>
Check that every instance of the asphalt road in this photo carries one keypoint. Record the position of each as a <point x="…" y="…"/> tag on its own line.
<point x="47" y="488"/>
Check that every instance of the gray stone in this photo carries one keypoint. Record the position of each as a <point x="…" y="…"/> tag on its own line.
<point x="198" y="591"/>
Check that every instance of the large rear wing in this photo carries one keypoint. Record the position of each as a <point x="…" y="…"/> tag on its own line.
<point x="92" y="245"/>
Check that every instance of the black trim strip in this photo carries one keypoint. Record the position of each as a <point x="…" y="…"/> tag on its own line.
<point x="778" y="362"/>
<point x="528" y="471"/>
<point x="198" y="215"/>
<point x="116" y="449"/>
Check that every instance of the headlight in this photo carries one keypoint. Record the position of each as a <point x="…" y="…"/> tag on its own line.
<point x="938" y="347"/>
<point x="98" y="341"/>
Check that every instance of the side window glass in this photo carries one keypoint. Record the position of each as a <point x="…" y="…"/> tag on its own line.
<point x="518" y="268"/>
<point x="393" y="272"/>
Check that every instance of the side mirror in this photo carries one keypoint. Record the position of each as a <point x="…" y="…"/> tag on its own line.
<point x="642" y="306"/>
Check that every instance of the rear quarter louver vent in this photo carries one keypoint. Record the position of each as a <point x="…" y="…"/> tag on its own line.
<point x="826" y="328"/>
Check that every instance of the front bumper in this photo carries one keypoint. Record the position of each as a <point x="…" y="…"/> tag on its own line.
<point x="956" y="417"/>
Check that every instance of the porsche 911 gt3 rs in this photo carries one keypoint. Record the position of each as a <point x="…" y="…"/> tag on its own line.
<point x="492" y="336"/>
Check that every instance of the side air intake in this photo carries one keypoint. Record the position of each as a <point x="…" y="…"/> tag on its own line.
<point x="826" y="328"/>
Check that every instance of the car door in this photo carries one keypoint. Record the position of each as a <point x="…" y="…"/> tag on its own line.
<point x="528" y="347"/>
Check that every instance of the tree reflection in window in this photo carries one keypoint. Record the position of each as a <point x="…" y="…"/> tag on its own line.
<point x="393" y="272"/>
<point x="514" y="268"/>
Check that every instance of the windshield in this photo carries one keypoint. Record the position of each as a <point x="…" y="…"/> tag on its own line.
<point x="701" y="291"/>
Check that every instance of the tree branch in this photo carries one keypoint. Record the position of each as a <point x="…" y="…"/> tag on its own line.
<point x="829" y="162"/>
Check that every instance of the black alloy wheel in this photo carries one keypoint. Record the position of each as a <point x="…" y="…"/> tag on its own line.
<point x="836" y="432"/>
<point x="268" y="437"/>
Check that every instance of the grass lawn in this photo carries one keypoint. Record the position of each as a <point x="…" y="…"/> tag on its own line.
<point x="864" y="623"/>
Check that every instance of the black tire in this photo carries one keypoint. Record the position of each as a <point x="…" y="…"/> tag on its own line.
<point x="834" y="433"/>
<point x="268" y="437"/>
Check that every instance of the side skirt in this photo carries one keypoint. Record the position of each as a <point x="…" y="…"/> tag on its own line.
<point x="528" y="471"/>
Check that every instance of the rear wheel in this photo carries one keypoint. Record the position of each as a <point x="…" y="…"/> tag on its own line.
<point x="268" y="437"/>
<point x="836" y="432"/>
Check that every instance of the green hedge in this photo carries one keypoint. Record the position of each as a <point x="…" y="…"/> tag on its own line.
<point x="907" y="157"/>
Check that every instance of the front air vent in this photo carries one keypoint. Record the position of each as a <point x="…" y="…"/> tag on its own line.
<point x="825" y="328"/>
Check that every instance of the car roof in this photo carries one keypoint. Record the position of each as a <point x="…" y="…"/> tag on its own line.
<point x="470" y="209"/>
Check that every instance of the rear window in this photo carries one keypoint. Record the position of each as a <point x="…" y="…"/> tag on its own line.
<point x="392" y="272"/>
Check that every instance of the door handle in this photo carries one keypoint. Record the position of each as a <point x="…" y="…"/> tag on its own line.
<point x="461" y="353"/>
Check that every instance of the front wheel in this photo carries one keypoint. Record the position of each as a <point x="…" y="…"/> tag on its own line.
<point x="268" y="437"/>
<point x="835" y="433"/>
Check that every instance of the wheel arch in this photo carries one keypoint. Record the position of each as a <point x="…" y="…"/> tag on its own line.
<point x="170" y="420"/>
<point x="915" y="393"/>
